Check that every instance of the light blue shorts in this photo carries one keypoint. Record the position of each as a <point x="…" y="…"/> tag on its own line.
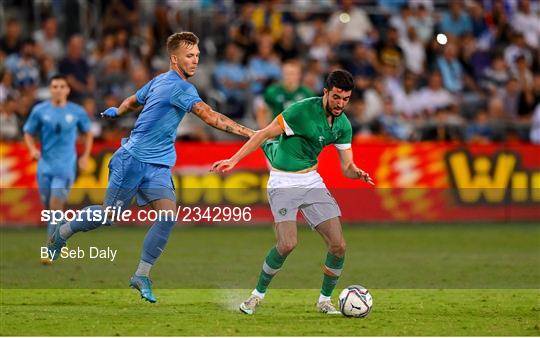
<point x="129" y="177"/>
<point x="50" y="185"/>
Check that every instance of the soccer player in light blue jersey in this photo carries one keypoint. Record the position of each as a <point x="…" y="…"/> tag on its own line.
<point x="56" y="123"/>
<point x="141" y="167"/>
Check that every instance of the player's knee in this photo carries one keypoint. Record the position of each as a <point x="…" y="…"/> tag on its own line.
<point x="338" y="248"/>
<point x="286" y="247"/>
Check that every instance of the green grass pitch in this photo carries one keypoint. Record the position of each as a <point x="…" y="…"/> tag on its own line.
<point x="455" y="280"/>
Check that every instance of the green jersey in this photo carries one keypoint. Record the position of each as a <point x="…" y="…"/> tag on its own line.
<point x="278" y="98"/>
<point x="307" y="132"/>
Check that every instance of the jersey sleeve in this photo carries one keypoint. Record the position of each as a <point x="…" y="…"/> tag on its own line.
<point x="185" y="98"/>
<point x="33" y="123"/>
<point x="141" y="94"/>
<point x="83" y="122"/>
<point x="344" y="140"/>
<point x="292" y="120"/>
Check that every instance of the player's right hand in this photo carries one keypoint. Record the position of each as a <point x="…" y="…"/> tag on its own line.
<point x="35" y="154"/>
<point x="111" y="112"/>
<point x="222" y="166"/>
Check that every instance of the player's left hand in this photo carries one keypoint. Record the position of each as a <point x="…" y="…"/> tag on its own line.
<point x="364" y="176"/>
<point x="83" y="162"/>
<point x="222" y="166"/>
<point x="111" y="112"/>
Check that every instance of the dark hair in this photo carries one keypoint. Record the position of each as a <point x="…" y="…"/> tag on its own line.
<point x="341" y="79"/>
<point x="58" y="77"/>
<point x="177" y="39"/>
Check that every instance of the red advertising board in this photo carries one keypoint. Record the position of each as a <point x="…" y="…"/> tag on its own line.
<point x="414" y="182"/>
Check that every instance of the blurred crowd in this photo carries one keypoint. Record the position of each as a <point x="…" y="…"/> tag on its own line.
<point x="463" y="71"/>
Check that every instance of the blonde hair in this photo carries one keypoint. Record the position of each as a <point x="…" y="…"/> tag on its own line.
<point x="181" y="38"/>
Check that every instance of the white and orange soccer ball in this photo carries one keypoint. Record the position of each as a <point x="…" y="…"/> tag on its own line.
<point x="355" y="301"/>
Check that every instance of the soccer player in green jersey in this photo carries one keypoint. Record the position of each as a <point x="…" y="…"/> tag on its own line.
<point x="281" y="95"/>
<point x="304" y="129"/>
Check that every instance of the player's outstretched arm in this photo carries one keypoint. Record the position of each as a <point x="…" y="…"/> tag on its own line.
<point x="219" y="121"/>
<point x="350" y="169"/>
<point x="128" y="105"/>
<point x="271" y="131"/>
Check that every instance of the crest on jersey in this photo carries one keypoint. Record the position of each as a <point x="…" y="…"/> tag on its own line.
<point x="283" y="211"/>
<point x="69" y="118"/>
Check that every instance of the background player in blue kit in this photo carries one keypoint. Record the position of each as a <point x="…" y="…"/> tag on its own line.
<point x="56" y="123"/>
<point x="141" y="166"/>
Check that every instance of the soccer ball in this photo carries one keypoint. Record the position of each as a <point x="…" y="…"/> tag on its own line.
<point x="355" y="301"/>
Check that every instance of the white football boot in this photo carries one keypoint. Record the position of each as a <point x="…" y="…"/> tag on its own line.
<point x="248" y="307"/>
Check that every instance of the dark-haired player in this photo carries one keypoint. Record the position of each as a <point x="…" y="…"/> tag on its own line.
<point x="304" y="129"/>
<point x="56" y="123"/>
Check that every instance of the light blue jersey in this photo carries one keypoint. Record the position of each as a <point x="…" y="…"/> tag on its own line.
<point x="166" y="99"/>
<point x="57" y="128"/>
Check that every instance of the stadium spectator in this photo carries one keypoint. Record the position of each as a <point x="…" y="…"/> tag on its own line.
<point x="6" y="85"/>
<point x="529" y="98"/>
<point x="391" y="6"/>
<point x="423" y="23"/>
<point x="499" y="25"/>
<point x="313" y="77"/>
<point x="11" y="42"/>
<point x="311" y="28"/>
<point x="475" y="60"/>
<point x="47" y="39"/>
<point x="527" y="23"/>
<point x="242" y="31"/>
<point x="451" y="69"/>
<point x="9" y="122"/>
<point x="478" y="20"/>
<point x="77" y="70"/>
<point x="321" y="50"/>
<point x="393" y="125"/>
<point x="522" y="72"/>
<point x="350" y="24"/>
<point x="288" y="45"/>
<point x="402" y="21"/>
<point x="498" y="119"/>
<point x="47" y="69"/>
<point x="435" y="97"/>
<point x="90" y="106"/>
<point x="517" y="48"/>
<point x="441" y="128"/>
<point x="374" y="100"/>
<point x="414" y="51"/>
<point x="24" y="67"/>
<point x="232" y="80"/>
<point x="264" y="67"/>
<point x="363" y="62"/>
<point x="138" y="77"/>
<point x="407" y="101"/>
<point x="456" y="21"/>
<point x="479" y="130"/>
<point x="510" y="96"/>
<point x="389" y="51"/>
<point x="266" y="17"/>
<point x="495" y="76"/>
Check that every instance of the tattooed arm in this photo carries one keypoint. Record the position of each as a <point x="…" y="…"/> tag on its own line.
<point x="219" y="121"/>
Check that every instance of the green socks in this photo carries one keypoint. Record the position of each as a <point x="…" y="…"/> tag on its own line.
<point x="332" y="270"/>
<point x="272" y="264"/>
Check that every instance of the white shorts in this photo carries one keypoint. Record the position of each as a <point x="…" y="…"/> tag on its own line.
<point x="290" y="192"/>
